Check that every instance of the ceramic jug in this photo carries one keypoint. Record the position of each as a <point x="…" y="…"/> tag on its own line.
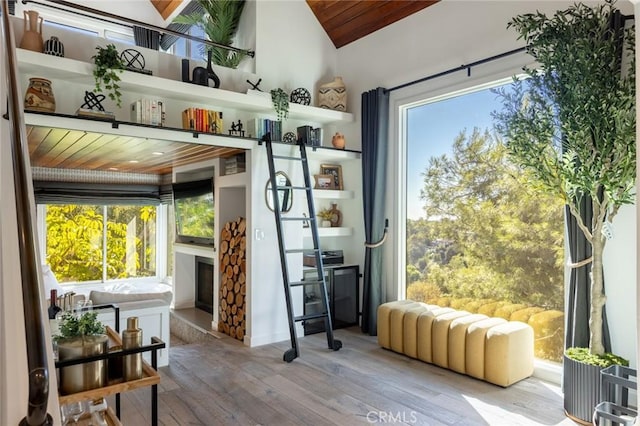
<point x="39" y="96"/>
<point x="338" y="140"/>
<point x="32" y="36"/>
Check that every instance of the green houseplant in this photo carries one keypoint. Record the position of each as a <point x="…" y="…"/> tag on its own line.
<point x="107" y="66"/>
<point x="219" y="21"/>
<point x="280" y="101"/>
<point x="81" y="335"/>
<point x="571" y="123"/>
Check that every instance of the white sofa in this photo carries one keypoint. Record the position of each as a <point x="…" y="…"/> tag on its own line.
<point x="151" y="308"/>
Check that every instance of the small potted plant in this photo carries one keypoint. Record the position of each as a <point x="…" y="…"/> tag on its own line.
<point x="326" y="215"/>
<point x="280" y="101"/>
<point x="81" y="335"/>
<point x="107" y="66"/>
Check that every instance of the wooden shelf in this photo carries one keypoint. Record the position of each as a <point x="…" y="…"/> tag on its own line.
<point x="149" y="377"/>
<point x="332" y="194"/>
<point x="110" y="417"/>
<point x="330" y="232"/>
<point x="33" y="63"/>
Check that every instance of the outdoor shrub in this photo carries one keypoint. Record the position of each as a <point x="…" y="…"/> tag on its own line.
<point x="507" y="310"/>
<point x="460" y="303"/>
<point x="421" y="291"/>
<point x="443" y="301"/>
<point x="476" y="304"/>
<point x="548" y="333"/>
<point x="490" y="308"/>
<point x="524" y="314"/>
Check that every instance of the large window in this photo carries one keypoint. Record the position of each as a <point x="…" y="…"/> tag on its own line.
<point x="99" y="243"/>
<point x="479" y="236"/>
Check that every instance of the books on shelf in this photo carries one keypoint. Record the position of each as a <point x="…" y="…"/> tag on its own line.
<point x="148" y="111"/>
<point x="202" y="120"/>
<point x="258" y="127"/>
<point x="102" y="115"/>
<point x="235" y="164"/>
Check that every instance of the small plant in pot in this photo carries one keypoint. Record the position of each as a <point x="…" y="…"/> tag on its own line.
<point x="81" y="335"/>
<point x="572" y="125"/>
<point x="107" y="67"/>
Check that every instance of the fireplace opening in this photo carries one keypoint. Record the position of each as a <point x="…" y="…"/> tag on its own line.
<point x="204" y="284"/>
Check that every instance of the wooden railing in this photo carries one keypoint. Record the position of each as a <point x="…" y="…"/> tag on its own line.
<point x="38" y="371"/>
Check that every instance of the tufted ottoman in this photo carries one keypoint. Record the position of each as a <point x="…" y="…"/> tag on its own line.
<point x="508" y="354"/>
<point x="492" y="349"/>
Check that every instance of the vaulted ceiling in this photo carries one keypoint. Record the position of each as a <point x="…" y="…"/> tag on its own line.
<point x="348" y="20"/>
<point x="343" y="20"/>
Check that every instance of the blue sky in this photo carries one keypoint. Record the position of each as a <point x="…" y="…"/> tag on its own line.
<point x="432" y="129"/>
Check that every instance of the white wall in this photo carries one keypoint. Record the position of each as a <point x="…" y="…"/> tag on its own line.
<point x="445" y="36"/>
<point x="292" y="49"/>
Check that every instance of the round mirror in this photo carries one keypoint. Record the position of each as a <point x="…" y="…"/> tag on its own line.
<point x="285" y="195"/>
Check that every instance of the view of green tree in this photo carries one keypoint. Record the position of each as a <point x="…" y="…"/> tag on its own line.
<point x="195" y="217"/>
<point x="486" y="233"/>
<point x="75" y="238"/>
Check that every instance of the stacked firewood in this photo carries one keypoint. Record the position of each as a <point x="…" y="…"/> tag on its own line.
<point x="233" y="285"/>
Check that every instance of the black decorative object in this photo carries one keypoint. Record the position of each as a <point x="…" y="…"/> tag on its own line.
<point x="92" y="107"/>
<point x="201" y="75"/>
<point x="289" y="137"/>
<point x="301" y="96"/>
<point x="134" y="61"/>
<point x="54" y="47"/>
<point x="236" y="129"/>
<point x="93" y="101"/>
<point x="255" y="86"/>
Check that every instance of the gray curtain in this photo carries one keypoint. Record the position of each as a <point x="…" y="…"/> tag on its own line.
<point x="144" y="37"/>
<point x="578" y="301"/>
<point x="375" y="124"/>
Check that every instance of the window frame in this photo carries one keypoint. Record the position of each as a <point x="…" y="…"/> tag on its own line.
<point x="162" y="247"/>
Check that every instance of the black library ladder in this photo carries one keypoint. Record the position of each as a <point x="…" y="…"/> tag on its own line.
<point x="324" y="313"/>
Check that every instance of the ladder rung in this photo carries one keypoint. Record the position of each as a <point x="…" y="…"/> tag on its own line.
<point x="300" y="283"/>
<point x="311" y="316"/>
<point x="286" y="157"/>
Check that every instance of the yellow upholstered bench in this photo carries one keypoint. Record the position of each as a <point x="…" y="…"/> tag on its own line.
<point x="491" y="349"/>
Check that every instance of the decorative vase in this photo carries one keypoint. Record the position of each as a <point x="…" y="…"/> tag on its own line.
<point x="39" y="96"/>
<point x="338" y="140"/>
<point x="54" y="47"/>
<point x="210" y="74"/>
<point x="336" y="215"/>
<point x="32" y="37"/>
<point x="325" y="224"/>
<point x="333" y="95"/>
<point x="82" y="377"/>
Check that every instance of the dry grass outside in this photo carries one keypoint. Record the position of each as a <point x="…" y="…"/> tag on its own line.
<point x="548" y="332"/>
<point x="422" y="291"/>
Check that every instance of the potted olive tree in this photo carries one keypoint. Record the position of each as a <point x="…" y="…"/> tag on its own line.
<point x="81" y="335"/>
<point x="571" y="123"/>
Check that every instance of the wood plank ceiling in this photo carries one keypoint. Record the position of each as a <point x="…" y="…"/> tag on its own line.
<point x="71" y="149"/>
<point x="348" y="20"/>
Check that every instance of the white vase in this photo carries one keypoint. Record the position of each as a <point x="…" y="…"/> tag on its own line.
<point x="333" y="95"/>
<point x="325" y="224"/>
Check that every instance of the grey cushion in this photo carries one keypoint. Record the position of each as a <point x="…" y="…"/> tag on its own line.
<point x="100" y="297"/>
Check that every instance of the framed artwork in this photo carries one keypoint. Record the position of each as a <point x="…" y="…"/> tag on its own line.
<point x="324" y="181"/>
<point x="334" y="170"/>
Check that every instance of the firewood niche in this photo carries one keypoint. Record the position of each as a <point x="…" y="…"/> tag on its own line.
<point x="233" y="283"/>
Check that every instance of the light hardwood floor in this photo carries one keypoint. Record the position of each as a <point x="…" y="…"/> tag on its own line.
<point x="222" y="382"/>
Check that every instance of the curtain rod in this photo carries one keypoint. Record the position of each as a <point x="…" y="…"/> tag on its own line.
<point x="456" y="69"/>
<point x="473" y="64"/>
<point x="119" y="20"/>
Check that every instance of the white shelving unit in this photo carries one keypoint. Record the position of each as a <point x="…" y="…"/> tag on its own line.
<point x="71" y="70"/>
<point x="241" y="194"/>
